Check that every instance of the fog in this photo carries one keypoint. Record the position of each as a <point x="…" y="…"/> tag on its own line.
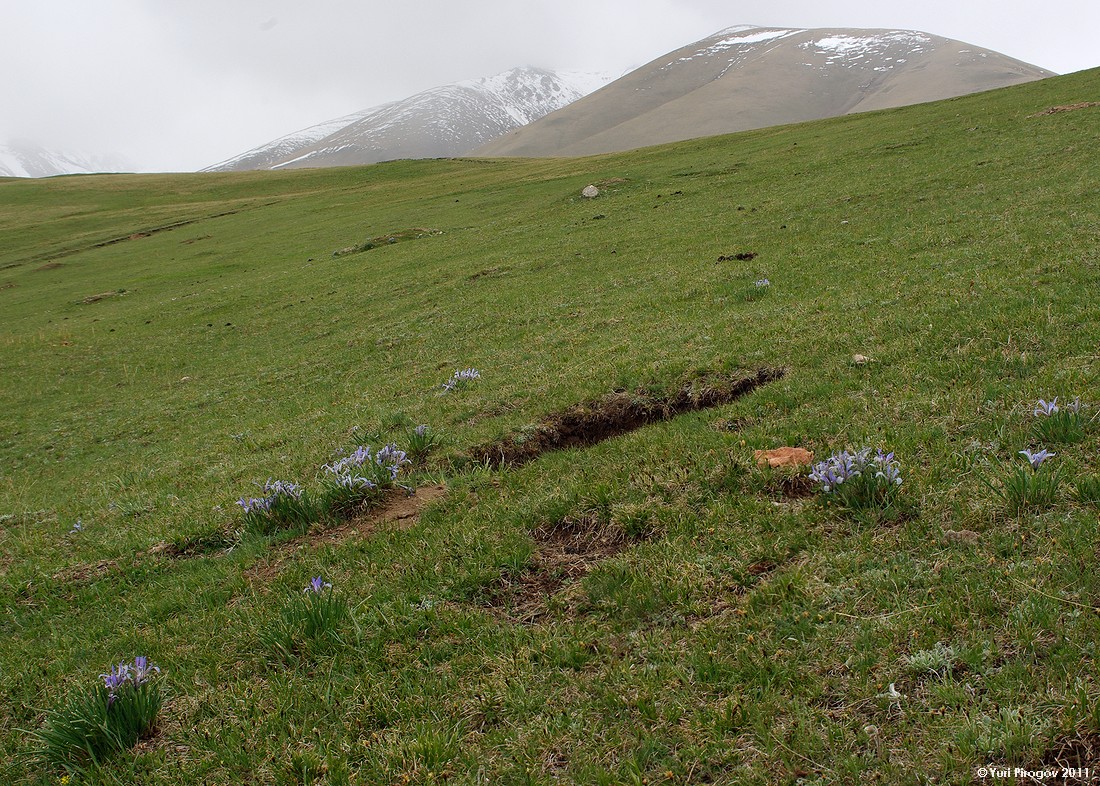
<point x="176" y="85"/>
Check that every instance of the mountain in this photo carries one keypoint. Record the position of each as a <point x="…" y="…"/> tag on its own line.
<point x="29" y="160"/>
<point x="444" y="121"/>
<point x="749" y="77"/>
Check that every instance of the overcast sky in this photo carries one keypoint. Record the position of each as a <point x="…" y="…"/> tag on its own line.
<point x="176" y="85"/>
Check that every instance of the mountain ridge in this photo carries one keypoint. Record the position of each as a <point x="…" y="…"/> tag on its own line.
<point x="443" y="121"/>
<point x="25" y="159"/>
<point x="747" y="77"/>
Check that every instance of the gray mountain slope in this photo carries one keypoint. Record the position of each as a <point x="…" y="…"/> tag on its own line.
<point x="750" y="77"/>
<point x="443" y="121"/>
<point x="25" y="159"/>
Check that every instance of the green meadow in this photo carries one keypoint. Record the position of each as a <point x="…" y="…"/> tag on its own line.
<point x="649" y="608"/>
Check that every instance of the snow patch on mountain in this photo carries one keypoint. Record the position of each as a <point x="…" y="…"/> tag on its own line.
<point x="286" y="145"/>
<point x="740" y="39"/>
<point x="880" y="50"/>
<point x="11" y="164"/>
<point x="443" y="121"/>
<point x="29" y="160"/>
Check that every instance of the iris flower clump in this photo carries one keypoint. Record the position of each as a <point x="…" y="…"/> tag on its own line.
<point x="356" y="480"/>
<point x="858" y="480"/>
<point x="1054" y="424"/>
<point x="422" y="441"/>
<point x="761" y="287"/>
<point x="283" y="504"/>
<point x="311" y="621"/>
<point x="108" y="717"/>
<point x="1031" y="485"/>
<point x="460" y="378"/>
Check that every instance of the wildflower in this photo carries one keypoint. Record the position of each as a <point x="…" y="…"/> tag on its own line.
<point x="143" y="670"/>
<point x="858" y="479"/>
<point x="282" y="488"/>
<point x="1037" y="458"/>
<point x="892" y="696"/>
<point x="1047" y="408"/>
<point x="843" y="466"/>
<point x="354" y="482"/>
<point x="114" y="680"/>
<point x="255" y="504"/>
<point x="77" y="527"/>
<point x="465" y="375"/>
<point x="317" y="585"/>
<point x="762" y="283"/>
<point x="421" y="430"/>
<point x="888" y="469"/>
<point x="1074" y="406"/>
<point x="357" y="458"/>
<point x="391" y="458"/>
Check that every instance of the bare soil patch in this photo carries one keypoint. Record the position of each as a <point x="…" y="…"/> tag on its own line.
<point x="135" y="235"/>
<point x="50" y="266"/>
<point x="414" y="233"/>
<point x="399" y="510"/>
<point x="565" y="551"/>
<point x="617" y="413"/>
<point x="740" y="256"/>
<point x="1066" y="108"/>
<point x="87" y="572"/>
<point x="102" y="296"/>
<point x="1074" y="755"/>
<point x="791" y="485"/>
<point x="165" y="228"/>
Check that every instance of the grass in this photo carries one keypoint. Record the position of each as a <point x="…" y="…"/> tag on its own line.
<point x="751" y="636"/>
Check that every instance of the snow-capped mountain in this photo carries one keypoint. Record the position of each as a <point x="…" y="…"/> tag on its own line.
<point x="748" y="77"/>
<point x="444" y="121"/>
<point x="28" y="160"/>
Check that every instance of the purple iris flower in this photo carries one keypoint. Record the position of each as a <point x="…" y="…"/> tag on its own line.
<point x="143" y="670"/>
<point x="317" y="585"/>
<point x="1038" y="457"/>
<point x="282" y="488"/>
<point x="846" y="465"/>
<point x="391" y="458"/>
<point x="1046" y="408"/>
<point x="114" y="680"/>
<point x="465" y="375"/>
<point x="255" y="504"/>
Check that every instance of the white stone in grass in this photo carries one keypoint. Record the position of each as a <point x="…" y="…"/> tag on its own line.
<point x="590" y="192"/>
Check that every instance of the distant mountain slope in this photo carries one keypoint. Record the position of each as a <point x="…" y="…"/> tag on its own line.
<point x="444" y="121"/>
<point x="28" y="160"/>
<point x="751" y="77"/>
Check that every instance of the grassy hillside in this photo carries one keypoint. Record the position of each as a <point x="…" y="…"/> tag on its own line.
<point x="652" y="608"/>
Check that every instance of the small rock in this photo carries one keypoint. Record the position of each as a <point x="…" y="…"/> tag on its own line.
<point x="967" y="536"/>
<point x="590" y="192"/>
<point x="862" y="360"/>
<point x="783" y="457"/>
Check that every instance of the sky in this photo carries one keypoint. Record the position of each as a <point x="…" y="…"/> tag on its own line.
<point x="177" y="85"/>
